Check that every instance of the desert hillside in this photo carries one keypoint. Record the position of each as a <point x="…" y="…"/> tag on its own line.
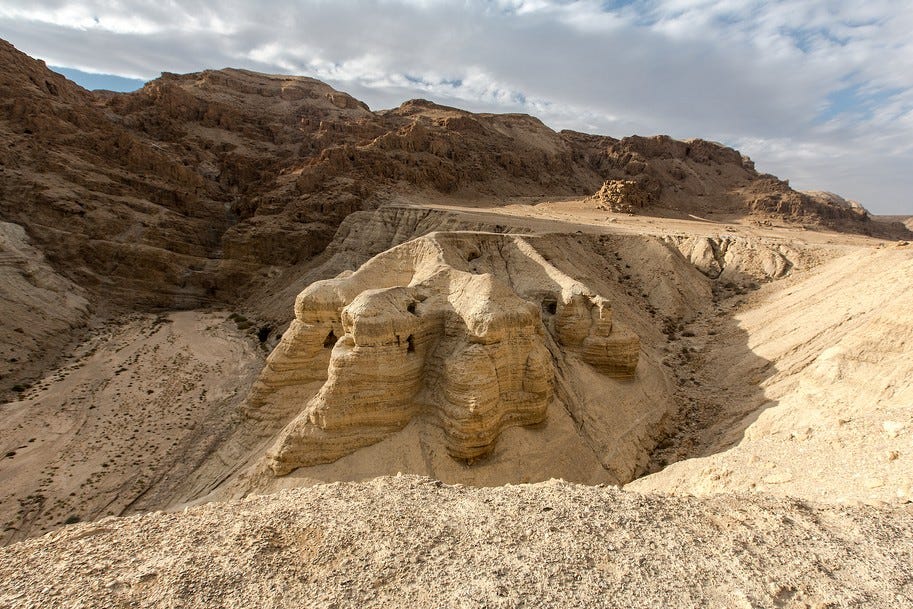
<point x="192" y="190"/>
<point x="258" y="340"/>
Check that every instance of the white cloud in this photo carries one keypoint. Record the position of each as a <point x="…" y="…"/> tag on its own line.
<point x="817" y="91"/>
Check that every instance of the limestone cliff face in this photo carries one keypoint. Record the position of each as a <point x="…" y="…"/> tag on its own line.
<point x="438" y="327"/>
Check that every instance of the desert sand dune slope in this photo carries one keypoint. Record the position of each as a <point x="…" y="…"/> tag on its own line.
<point x="118" y="427"/>
<point x="832" y="354"/>
<point x="407" y="542"/>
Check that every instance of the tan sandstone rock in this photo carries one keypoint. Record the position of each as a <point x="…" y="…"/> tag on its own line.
<point x="430" y="328"/>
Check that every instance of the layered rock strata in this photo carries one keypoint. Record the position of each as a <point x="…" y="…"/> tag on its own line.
<point x="189" y="191"/>
<point x="732" y="258"/>
<point x="437" y="327"/>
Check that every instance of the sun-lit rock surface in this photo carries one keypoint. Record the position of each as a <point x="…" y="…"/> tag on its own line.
<point x="424" y="330"/>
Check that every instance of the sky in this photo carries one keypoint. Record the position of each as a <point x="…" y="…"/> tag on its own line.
<point x="817" y="92"/>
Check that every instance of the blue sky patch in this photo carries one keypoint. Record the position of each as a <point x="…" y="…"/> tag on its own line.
<point x="100" y="81"/>
<point x="855" y="101"/>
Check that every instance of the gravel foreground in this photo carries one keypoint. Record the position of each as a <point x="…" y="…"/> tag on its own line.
<point x="413" y="542"/>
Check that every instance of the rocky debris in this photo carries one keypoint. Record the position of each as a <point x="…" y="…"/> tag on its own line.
<point x="768" y="196"/>
<point x="906" y="221"/>
<point x="408" y="541"/>
<point x="835" y="199"/>
<point x="423" y="328"/>
<point x="622" y="196"/>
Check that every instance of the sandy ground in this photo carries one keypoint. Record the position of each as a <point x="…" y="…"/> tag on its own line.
<point x="541" y="214"/>
<point x="112" y="431"/>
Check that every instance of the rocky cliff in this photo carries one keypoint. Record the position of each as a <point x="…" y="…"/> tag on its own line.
<point x="202" y="189"/>
<point x="190" y="189"/>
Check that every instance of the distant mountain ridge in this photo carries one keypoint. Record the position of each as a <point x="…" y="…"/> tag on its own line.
<point x="182" y="193"/>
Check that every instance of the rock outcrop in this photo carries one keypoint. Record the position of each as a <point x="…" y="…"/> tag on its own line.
<point x="735" y="258"/>
<point x="437" y="327"/>
<point x="624" y="196"/>
<point x="40" y="310"/>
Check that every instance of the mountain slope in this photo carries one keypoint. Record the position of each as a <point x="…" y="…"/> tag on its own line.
<point x="186" y="191"/>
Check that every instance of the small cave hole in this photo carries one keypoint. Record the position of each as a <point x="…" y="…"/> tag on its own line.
<point x="330" y="340"/>
<point x="411" y="307"/>
<point x="472" y="256"/>
<point x="410" y="344"/>
<point x="263" y="333"/>
<point x="549" y="306"/>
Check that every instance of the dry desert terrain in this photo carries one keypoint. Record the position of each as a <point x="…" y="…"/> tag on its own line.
<point x="263" y="346"/>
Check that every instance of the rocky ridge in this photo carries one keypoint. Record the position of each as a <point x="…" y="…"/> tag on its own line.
<point x="226" y="172"/>
<point x="198" y="189"/>
<point x="597" y="303"/>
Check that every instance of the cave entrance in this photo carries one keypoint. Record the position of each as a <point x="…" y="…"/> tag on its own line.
<point x="549" y="305"/>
